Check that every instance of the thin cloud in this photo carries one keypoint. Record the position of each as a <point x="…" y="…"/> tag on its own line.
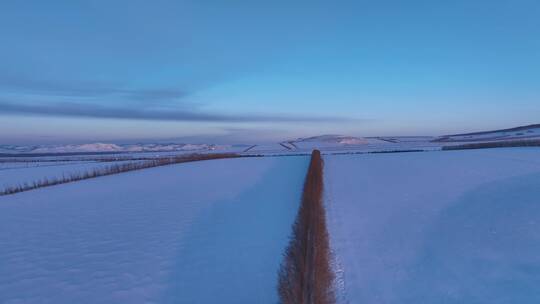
<point x="159" y="104"/>
<point x="155" y="94"/>
<point x="97" y="90"/>
<point x="66" y="109"/>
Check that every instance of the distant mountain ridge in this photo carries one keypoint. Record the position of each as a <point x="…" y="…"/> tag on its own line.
<point x="325" y="141"/>
<point x="107" y="147"/>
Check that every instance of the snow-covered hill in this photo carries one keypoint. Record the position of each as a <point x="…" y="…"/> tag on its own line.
<point x="339" y="143"/>
<point x="326" y="141"/>
<point x="108" y="147"/>
<point x="523" y="132"/>
<point x="95" y="147"/>
<point x="334" y="139"/>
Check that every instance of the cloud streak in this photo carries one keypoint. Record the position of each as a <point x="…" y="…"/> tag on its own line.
<point x="154" y="104"/>
<point x="93" y="90"/>
<point x="67" y="109"/>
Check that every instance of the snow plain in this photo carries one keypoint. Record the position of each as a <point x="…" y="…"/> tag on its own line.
<point x="201" y="232"/>
<point x="436" y="227"/>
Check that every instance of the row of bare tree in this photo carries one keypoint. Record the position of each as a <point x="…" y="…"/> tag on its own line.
<point x="114" y="169"/>
<point x="495" y="144"/>
<point x="306" y="276"/>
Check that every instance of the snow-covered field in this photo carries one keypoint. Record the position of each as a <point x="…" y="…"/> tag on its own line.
<point x="202" y="232"/>
<point x="422" y="227"/>
<point x="436" y="227"/>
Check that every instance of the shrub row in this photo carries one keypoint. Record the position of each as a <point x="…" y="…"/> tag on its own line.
<point x="305" y="275"/>
<point x="495" y="144"/>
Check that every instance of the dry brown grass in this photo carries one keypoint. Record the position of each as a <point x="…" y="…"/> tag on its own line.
<point x="305" y="276"/>
<point x="114" y="169"/>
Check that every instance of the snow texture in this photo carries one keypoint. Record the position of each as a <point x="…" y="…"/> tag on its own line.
<point x="436" y="227"/>
<point x="202" y="232"/>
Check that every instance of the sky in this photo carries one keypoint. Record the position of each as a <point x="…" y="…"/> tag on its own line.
<point x="244" y="71"/>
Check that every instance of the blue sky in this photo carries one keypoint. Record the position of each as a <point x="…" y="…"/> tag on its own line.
<point x="76" y="71"/>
